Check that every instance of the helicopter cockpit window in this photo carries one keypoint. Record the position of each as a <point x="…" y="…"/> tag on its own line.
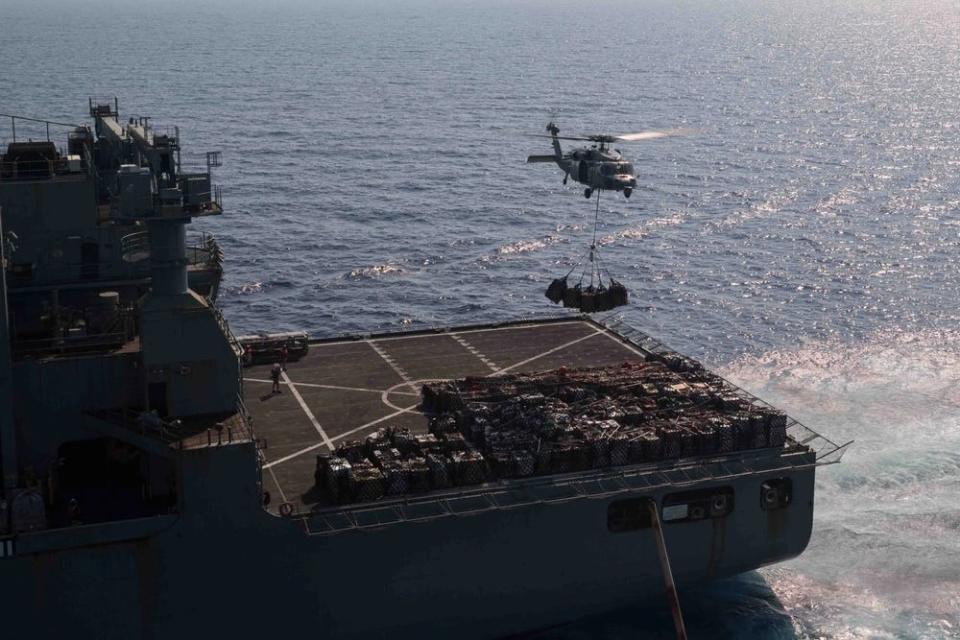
<point x="626" y="168"/>
<point x="608" y="169"/>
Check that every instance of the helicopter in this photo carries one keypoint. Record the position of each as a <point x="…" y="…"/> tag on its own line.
<point x="598" y="166"/>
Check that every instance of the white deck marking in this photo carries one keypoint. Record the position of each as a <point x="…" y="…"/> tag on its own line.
<point x="341" y="436"/>
<point x="545" y="353"/>
<point x="372" y="423"/>
<point x="331" y="386"/>
<point x="295" y="454"/>
<point x="276" y="482"/>
<point x="625" y="345"/>
<point x="390" y="361"/>
<point x="411" y="407"/>
<point x="306" y="410"/>
<point x="537" y="325"/>
<point x="473" y="350"/>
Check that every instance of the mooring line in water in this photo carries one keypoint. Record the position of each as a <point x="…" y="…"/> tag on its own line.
<point x="670" y="585"/>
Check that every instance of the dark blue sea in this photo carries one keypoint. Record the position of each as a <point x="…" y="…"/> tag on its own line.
<point x="802" y="237"/>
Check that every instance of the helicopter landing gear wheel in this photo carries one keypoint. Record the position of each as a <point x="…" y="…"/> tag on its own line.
<point x="587" y="193"/>
<point x="627" y="192"/>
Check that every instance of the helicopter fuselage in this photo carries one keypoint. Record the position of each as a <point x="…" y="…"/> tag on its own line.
<point x="599" y="168"/>
<point x="596" y="167"/>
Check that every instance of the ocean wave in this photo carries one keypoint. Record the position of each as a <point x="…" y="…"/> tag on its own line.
<point x="250" y="288"/>
<point x="772" y="204"/>
<point x="867" y="607"/>
<point x="889" y="366"/>
<point x="526" y="246"/>
<point x="643" y="230"/>
<point x="376" y="271"/>
<point x="884" y="558"/>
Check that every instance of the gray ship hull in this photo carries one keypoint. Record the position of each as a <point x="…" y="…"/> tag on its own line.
<point x="226" y="566"/>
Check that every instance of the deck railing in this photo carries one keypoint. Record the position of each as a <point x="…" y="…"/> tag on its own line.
<point x="514" y="494"/>
<point x="33" y="169"/>
<point x="827" y="451"/>
<point x="141" y="422"/>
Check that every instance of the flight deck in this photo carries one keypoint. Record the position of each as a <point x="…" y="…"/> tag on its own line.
<point x="347" y="388"/>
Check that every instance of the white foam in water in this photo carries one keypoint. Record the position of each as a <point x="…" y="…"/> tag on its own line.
<point x="376" y="271"/>
<point x="884" y="560"/>
<point x="250" y="287"/>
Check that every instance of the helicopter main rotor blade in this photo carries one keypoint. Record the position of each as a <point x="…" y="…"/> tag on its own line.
<point x="649" y="135"/>
<point x="543" y="135"/>
<point x="626" y="137"/>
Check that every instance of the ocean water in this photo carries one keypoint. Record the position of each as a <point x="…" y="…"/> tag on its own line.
<point x="802" y="238"/>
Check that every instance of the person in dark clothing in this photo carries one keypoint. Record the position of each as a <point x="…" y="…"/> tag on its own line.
<point x="284" y="352"/>
<point x="275" y="376"/>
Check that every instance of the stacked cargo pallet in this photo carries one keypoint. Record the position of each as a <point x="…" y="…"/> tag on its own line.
<point x="553" y="422"/>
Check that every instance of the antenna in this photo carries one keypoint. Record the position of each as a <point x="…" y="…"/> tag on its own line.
<point x="214" y="159"/>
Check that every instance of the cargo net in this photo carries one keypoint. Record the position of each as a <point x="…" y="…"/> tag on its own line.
<point x="517" y="426"/>
<point x="590" y="293"/>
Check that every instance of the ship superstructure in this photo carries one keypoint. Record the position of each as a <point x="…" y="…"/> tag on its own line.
<point x="146" y="495"/>
<point x="77" y="220"/>
<point x="114" y="355"/>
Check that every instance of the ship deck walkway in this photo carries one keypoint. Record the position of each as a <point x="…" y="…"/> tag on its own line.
<point x="346" y="389"/>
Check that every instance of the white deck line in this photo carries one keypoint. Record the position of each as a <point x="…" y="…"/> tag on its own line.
<point x="333" y="386"/>
<point x="340" y="436"/>
<point x="295" y="454"/>
<point x="376" y="422"/>
<point x="389" y="360"/>
<point x="572" y="320"/>
<point x="283" y="496"/>
<point x="626" y="345"/>
<point x="545" y="353"/>
<point x="474" y="351"/>
<point x="306" y="410"/>
<point x="411" y="407"/>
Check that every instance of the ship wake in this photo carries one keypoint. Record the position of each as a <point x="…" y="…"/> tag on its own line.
<point x="884" y="559"/>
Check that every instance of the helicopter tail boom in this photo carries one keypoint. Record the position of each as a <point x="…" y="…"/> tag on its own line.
<point x="557" y="151"/>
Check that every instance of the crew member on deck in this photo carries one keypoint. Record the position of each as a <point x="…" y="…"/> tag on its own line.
<point x="275" y="376"/>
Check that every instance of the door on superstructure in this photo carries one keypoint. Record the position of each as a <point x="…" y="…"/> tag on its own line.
<point x="157" y="398"/>
<point x="105" y="479"/>
<point x="89" y="260"/>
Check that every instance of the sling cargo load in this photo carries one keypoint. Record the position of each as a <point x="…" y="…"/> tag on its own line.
<point x="416" y="484"/>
